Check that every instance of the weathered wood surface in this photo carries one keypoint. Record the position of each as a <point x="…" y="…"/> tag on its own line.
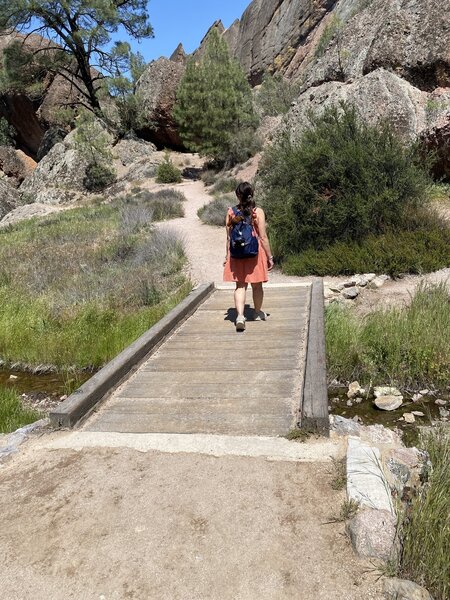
<point x="314" y="413"/>
<point x="206" y="378"/>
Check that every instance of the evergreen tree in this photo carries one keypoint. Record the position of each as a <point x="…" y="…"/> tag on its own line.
<point x="79" y="33"/>
<point x="214" y="102"/>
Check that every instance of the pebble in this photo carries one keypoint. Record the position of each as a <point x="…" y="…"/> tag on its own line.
<point x="350" y="293"/>
<point x="63" y="397"/>
<point x="417" y="397"/>
<point x="443" y="412"/>
<point x="349" y="403"/>
<point x="440" y="402"/>
<point x="424" y="392"/>
<point x="388" y="402"/>
<point x="409" y="417"/>
<point x="358" y="400"/>
<point x="354" y="389"/>
<point x="13" y="377"/>
<point x="417" y="413"/>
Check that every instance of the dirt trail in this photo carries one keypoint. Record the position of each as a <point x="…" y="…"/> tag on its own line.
<point x="115" y="524"/>
<point x="205" y="245"/>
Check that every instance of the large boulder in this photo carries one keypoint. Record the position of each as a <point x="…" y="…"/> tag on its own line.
<point x="157" y="87"/>
<point x="409" y="39"/>
<point x="437" y="139"/>
<point x="377" y="95"/>
<point x="9" y="197"/>
<point x="15" y="164"/>
<point x="59" y="176"/>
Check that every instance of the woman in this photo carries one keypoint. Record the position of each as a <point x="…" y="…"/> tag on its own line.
<point x="248" y="270"/>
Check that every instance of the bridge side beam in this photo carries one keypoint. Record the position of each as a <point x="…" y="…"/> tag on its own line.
<point x="84" y="399"/>
<point x="314" y="406"/>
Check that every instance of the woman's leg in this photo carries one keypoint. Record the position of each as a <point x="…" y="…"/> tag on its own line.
<point x="239" y="297"/>
<point x="258" y="296"/>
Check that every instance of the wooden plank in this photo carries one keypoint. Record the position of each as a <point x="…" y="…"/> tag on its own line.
<point x="314" y="410"/>
<point x="245" y="406"/>
<point x="216" y="423"/>
<point x="148" y="386"/>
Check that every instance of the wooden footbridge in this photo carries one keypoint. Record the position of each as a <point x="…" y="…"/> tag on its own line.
<point x="192" y="373"/>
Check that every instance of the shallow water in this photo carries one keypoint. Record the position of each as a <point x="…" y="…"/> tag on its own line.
<point x="370" y="414"/>
<point x="56" y="384"/>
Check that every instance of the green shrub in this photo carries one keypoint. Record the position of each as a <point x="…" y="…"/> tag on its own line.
<point x="406" y="346"/>
<point x="209" y="177"/>
<point x="214" y="212"/>
<point x="225" y="185"/>
<point x="98" y="177"/>
<point x="425" y="531"/>
<point x="167" y="172"/>
<point x="159" y="206"/>
<point x="244" y="144"/>
<point x="7" y="133"/>
<point x="419" y="251"/>
<point x="342" y="181"/>
<point x="12" y="413"/>
<point x="276" y="94"/>
<point x="332" y="28"/>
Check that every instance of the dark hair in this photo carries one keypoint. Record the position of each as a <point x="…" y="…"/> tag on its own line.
<point x="244" y="192"/>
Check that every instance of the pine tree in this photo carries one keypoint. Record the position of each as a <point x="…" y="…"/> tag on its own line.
<point x="79" y="34"/>
<point x="214" y="103"/>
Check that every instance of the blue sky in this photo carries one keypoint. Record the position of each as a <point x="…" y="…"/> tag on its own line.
<point x="185" y="21"/>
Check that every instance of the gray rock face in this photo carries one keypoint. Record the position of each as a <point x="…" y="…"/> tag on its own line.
<point x="408" y="38"/>
<point x="373" y="533"/>
<point x="9" y="198"/>
<point x="402" y="589"/>
<point x="57" y="176"/>
<point x="130" y="150"/>
<point x="378" y="95"/>
<point x="270" y="31"/>
<point x="157" y="87"/>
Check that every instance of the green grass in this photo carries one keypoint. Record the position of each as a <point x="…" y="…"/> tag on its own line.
<point x="425" y="530"/>
<point x="79" y="286"/>
<point x="214" y="212"/>
<point x="419" y="251"/>
<point x="409" y="347"/>
<point x="12" y="414"/>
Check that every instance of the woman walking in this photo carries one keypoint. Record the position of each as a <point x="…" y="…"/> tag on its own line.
<point x="251" y="265"/>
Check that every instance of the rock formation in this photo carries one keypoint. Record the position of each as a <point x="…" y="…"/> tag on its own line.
<point x="15" y="164"/>
<point x="157" y="86"/>
<point x="390" y="59"/>
<point x="9" y="197"/>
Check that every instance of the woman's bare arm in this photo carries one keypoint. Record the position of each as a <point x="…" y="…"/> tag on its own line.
<point x="261" y="224"/>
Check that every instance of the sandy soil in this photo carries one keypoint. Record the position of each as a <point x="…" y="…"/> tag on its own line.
<point x="107" y="524"/>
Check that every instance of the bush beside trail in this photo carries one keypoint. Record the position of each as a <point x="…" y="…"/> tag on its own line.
<point x="350" y="190"/>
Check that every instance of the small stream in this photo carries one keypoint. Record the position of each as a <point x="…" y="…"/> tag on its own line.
<point x="369" y="414"/>
<point x="45" y="384"/>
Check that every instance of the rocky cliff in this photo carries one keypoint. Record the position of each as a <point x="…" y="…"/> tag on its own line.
<point x="391" y="58"/>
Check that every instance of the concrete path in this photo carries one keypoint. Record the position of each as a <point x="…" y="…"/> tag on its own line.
<point x="206" y="378"/>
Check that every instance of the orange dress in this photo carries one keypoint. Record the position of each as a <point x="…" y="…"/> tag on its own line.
<point x="248" y="270"/>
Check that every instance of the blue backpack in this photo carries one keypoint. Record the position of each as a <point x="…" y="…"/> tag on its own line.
<point x="243" y="240"/>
